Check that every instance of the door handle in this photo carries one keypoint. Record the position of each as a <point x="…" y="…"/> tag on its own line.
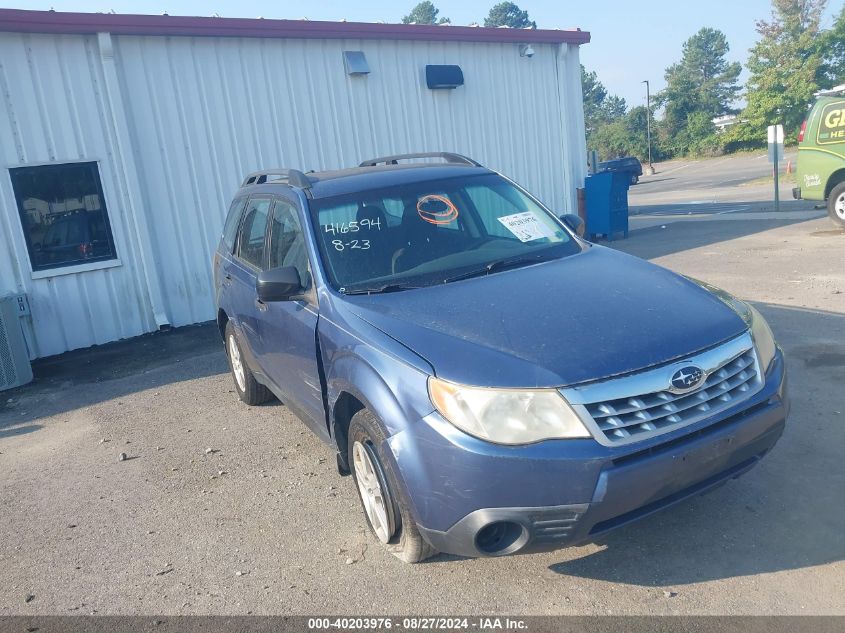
<point x="260" y="305"/>
<point x="227" y="279"/>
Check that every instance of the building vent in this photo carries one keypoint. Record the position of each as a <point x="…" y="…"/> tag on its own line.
<point x="440" y="77"/>
<point x="15" y="369"/>
<point x="355" y="63"/>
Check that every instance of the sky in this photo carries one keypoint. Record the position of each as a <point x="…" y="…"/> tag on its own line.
<point x="632" y="40"/>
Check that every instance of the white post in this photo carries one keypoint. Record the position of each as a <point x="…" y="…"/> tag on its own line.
<point x="571" y="106"/>
<point x="777" y="191"/>
<point x="775" y="138"/>
<point x="128" y="174"/>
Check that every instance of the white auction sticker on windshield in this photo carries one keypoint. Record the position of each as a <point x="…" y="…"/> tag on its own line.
<point x="526" y="226"/>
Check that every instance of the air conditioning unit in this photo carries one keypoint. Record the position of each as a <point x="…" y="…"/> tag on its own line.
<point x="15" y="369"/>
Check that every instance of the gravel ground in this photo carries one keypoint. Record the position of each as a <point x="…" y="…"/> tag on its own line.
<point x="262" y="523"/>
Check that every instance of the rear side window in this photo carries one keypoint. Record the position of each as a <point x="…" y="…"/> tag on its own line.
<point x="230" y="229"/>
<point x="253" y="229"/>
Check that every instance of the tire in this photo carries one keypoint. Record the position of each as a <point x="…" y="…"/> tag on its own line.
<point x="836" y="205"/>
<point x="249" y="390"/>
<point x="395" y="527"/>
<point x="634" y="179"/>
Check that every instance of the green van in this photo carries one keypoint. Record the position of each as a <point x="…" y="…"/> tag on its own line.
<point x="821" y="154"/>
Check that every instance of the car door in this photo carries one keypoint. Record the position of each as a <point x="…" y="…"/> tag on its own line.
<point x="223" y="256"/>
<point x="287" y="329"/>
<point x="248" y="260"/>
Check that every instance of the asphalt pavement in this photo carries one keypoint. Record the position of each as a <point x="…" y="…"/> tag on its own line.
<point x="221" y="508"/>
<point x="726" y="180"/>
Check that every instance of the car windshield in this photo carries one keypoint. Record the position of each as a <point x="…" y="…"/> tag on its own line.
<point x="433" y="232"/>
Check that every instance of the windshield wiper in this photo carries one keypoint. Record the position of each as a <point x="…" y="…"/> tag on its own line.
<point x="379" y="289"/>
<point x="499" y="264"/>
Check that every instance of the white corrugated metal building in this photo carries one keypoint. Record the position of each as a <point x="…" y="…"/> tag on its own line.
<point x="149" y="123"/>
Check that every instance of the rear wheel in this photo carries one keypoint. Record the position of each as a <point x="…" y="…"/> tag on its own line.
<point x="248" y="388"/>
<point x="386" y="509"/>
<point x="836" y="205"/>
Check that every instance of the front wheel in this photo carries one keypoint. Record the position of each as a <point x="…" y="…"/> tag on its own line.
<point x="386" y="509"/>
<point x="634" y="179"/>
<point x="836" y="205"/>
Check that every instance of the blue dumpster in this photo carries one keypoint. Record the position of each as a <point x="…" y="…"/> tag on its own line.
<point x="607" y="204"/>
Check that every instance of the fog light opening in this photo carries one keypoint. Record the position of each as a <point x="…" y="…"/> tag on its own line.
<point x="500" y="537"/>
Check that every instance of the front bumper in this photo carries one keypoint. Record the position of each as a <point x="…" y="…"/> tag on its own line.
<point x="559" y="493"/>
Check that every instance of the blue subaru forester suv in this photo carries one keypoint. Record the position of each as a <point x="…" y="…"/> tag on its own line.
<point x="494" y="383"/>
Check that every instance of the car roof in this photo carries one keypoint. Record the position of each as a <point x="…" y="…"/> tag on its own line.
<point x="623" y="158"/>
<point x="327" y="184"/>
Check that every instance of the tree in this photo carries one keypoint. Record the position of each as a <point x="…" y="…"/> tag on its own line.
<point x="424" y="13"/>
<point x="785" y="66"/>
<point x="697" y="136"/>
<point x="599" y="107"/>
<point x="832" y="49"/>
<point x="699" y="87"/>
<point x="625" y="136"/>
<point x="508" y="14"/>
<point x="594" y="95"/>
<point x="613" y="107"/>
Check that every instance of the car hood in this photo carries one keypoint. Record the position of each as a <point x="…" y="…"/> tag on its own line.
<point x="588" y="316"/>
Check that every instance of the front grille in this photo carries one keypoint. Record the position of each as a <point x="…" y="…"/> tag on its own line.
<point x="621" y="419"/>
<point x="638" y="406"/>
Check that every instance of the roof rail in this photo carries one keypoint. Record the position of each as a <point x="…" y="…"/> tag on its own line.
<point x="449" y="157"/>
<point x="290" y="176"/>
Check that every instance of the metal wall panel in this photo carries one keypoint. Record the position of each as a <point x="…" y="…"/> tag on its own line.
<point x="206" y="111"/>
<point x="202" y="112"/>
<point x="53" y="111"/>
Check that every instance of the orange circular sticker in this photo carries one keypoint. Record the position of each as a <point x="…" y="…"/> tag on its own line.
<point x="436" y="209"/>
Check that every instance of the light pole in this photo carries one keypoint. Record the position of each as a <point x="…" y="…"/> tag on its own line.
<point x="648" y="124"/>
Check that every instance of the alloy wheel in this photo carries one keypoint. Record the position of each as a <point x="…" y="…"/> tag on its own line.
<point x="237" y="363"/>
<point x="839" y="206"/>
<point x="372" y="496"/>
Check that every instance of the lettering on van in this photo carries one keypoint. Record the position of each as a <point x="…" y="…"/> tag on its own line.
<point x="832" y="124"/>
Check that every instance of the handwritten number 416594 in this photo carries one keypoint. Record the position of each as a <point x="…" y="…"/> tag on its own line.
<point x="353" y="226"/>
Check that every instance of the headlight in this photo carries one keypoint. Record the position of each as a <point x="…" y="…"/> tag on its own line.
<point x="764" y="341"/>
<point x="506" y="416"/>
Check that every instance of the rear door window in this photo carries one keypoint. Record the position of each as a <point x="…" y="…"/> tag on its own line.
<point x="233" y="219"/>
<point x="253" y="231"/>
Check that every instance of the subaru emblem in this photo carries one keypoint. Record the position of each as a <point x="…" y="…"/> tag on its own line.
<point x="687" y="378"/>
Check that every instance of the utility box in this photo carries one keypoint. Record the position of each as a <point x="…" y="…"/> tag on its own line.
<point x="15" y="369"/>
<point x="607" y="204"/>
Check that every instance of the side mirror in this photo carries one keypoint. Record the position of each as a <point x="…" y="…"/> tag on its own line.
<point x="278" y="284"/>
<point x="574" y="222"/>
